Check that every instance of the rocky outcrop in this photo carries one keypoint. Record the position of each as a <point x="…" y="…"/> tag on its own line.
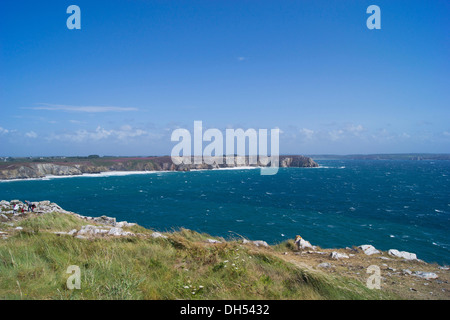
<point x="369" y="249"/>
<point x="38" y="170"/>
<point x="337" y="255"/>
<point x="41" y="170"/>
<point x="402" y="254"/>
<point x="104" y="226"/>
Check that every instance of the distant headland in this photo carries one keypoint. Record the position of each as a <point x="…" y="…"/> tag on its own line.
<point x="32" y="168"/>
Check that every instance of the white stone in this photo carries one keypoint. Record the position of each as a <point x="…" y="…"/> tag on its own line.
<point x="407" y="271"/>
<point x="324" y="265"/>
<point x="426" y="275"/>
<point x="213" y="241"/>
<point x="158" y="235"/>
<point x="402" y="254"/>
<point x="303" y="244"/>
<point x="257" y="243"/>
<point x="337" y="255"/>
<point x="115" y="231"/>
<point x="369" y="249"/>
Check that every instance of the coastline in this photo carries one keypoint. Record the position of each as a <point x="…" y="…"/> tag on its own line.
<point x="48" y="168"/>
<point x="120" y="174"/>
<point x="88" y="175"/>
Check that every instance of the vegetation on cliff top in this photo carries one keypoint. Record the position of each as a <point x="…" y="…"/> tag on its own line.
<point x="33" y="264"/>
<point x="182" y="265"/>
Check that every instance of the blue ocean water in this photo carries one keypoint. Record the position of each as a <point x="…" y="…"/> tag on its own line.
<point x="402" y="205"/>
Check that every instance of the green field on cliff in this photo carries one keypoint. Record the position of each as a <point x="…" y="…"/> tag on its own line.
<point x="34" y="263"/>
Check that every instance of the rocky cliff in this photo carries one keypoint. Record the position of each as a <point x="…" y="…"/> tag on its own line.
<point x="32" y="170"/>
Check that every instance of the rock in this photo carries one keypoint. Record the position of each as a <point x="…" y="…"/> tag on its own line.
<point x="72" y="232"/>
<point x="402" y="254"/>
<point x="337" y="255"/>
<point x="106" y="220"/>
<point x="324" y="265"/>
<point x="213" y="241"/>
<point x="4" y="203"/>
<point x="258" y="243"/>
<point x="425" y="275"/>
<point x="407" y="271"/>
<point x="303" y="244"/>
<point x="3" y="217"/>
<point x="19" y="228"/>
<point x="369" y="249"/>
<point x="158" y="235"/>
<point x="115" y="231"/>
<point x="92" y="230"/>
<point x="60" y="233"/>
<point x="123" y="224"/>
<point x="80" y="237"/>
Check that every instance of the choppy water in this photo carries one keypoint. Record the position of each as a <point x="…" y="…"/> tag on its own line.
<point x="390" y="204"/>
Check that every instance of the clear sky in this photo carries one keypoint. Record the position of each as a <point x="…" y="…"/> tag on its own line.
<point x="138" y="69"/>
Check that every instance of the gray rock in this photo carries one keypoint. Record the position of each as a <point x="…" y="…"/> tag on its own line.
<point x="369" y="249"/>
<point x="426" y="275"/>
<point x="336" y="255"/>
<point x="325" y="265"/>
<point x="123" y="224"/>
<point x="258" y="243"/>
<point x="158" y="235"/>
<point x="407" y="271"/>
<point x="303" y="244"/>
<point x="3" y="217"/>
<point x="213" y="241"/>
<point x="116" y="232"/>
<point x="60" y="233"/>
<point x="402" y="254"/>
<point x="106" y="220"/>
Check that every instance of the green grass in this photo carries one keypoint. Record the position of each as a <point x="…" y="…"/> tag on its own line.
<point x="52" y="222"/>
<point x="33" y="265"/>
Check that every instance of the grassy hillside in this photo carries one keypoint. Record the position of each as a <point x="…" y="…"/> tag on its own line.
<point x="34" y="260"/>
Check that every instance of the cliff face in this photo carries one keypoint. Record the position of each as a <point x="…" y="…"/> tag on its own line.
<point x="41" y="170"/>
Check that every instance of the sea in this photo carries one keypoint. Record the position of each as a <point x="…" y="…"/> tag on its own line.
<point x="390" y="204"/>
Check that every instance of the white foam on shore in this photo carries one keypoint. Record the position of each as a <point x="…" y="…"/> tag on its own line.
<point x="89" y="175"/>
<point x="117" y="174"/>
<point x="127" y="173"/>
<point x="230" y="168"/>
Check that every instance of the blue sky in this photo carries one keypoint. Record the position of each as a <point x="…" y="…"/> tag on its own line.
<point x="139" y="69"/>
